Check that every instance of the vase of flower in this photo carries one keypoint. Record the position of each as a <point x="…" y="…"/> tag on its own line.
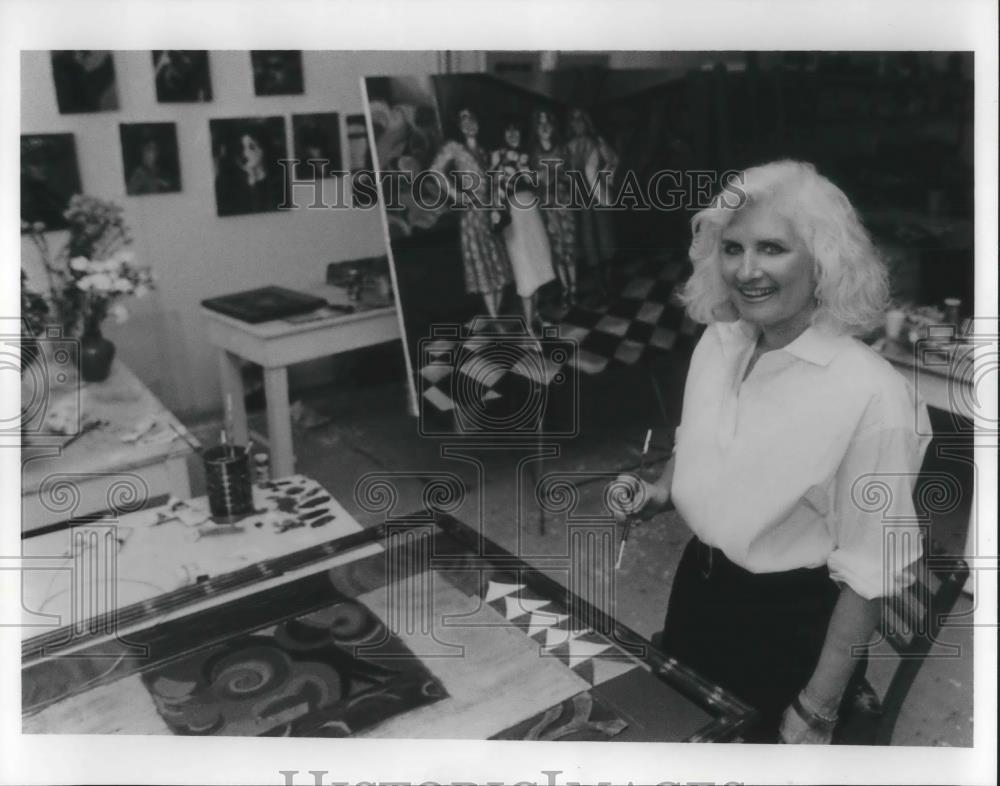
<point x="96" y="355"/>
<point x="88" y="278"/>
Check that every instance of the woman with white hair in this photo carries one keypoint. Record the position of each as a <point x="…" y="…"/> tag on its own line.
<point x="795" y="457"/>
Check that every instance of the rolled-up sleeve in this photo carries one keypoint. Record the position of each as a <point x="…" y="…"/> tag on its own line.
<point x="875" y="527"/>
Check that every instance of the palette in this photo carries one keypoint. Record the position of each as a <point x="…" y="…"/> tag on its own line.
<point x="153" y="564"/>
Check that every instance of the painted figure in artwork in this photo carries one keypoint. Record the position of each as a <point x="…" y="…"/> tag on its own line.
<point x="149" y="176"/>
<point x="484" y="255"/>
<point x="549" y="159"/>
<point x="525" y="235"/>
<point x="596" y="160"/>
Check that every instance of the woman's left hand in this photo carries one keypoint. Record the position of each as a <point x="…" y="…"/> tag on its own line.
<point x="796" y="731"/>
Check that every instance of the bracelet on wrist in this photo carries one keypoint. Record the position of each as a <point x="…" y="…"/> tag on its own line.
<point x="812" y="716"/>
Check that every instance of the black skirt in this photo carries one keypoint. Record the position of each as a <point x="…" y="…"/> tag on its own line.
<point x="758" y="635"/>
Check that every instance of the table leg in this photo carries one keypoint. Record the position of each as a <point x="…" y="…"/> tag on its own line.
<point x="279" y="422"/>
<point x="232" y="390"/>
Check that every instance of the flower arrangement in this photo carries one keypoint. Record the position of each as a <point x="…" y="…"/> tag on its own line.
<point x="94" y="270"/>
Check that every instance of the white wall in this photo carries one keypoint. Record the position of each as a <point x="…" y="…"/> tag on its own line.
<point x="194" y="253"/>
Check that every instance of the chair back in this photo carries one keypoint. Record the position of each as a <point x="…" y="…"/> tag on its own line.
<point x="911" y="626"/>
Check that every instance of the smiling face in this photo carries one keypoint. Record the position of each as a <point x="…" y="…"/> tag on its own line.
<point x="769" y="272"/>
<point x="512" y="136"/>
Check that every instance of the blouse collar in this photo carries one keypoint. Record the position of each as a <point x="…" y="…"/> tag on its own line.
<point x="815" y="345"/>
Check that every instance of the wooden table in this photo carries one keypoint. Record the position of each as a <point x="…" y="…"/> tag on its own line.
<point x="99" y="471"/>
<point x="417" y="628"/>
<point x="276" y="345"/>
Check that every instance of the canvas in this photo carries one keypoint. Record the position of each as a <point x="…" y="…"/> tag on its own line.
<point x="317" y="138"/>
<point x="246" y="152"/>
<point x="150" y="159"/>
<point x="513" y="233"/>
<point x="277" y="72"/>
<point x="85" y="80"/>
<point x="50" y="175"/>
<point x="182" y="75"/>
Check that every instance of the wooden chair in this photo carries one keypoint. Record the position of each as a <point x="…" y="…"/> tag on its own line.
<point x="912" y="623"/>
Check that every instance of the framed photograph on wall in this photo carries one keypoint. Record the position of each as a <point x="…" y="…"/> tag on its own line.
<point x="277" y="72"/>
<point x="49" y="177"/>
<point x="85" y="80"/>
<point x="182" y="75"/>
<point x="359" y="156"/>
<point x="246" y="152"/>
<point x="149" y="158"/>
<point x="317" y="138"/>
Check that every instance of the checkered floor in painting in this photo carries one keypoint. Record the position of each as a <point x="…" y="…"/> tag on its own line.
<point x="484" y="361"/>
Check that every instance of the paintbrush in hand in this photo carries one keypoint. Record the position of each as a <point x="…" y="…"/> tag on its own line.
<point x="632" y="516"/>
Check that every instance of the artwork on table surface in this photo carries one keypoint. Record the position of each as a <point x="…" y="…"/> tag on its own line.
<point x="299" y="678"/>
<point x="277" y="72"/>
<point x="49" y="177"/>
<point x="182" y="75"/>
<point x="246" y="152"/>
<point x="149" y="158"/>
<point x="85" y="80"/>
<point x="317" y="137"/>
<point x="581" y="718"/>
<point x="361" y="647"/>
<point x="249" y="667"/>
<point x="359" y="155"/>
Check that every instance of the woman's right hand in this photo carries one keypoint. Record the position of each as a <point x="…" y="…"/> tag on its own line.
<point x="633" y="497"/>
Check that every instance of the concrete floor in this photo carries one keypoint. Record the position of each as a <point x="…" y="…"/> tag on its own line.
<point x="369" y="431"/>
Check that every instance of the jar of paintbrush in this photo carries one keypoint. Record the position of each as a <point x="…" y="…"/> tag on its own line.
<point x="228" y="476"/>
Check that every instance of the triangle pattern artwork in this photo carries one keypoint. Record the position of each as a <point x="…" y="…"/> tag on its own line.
<point x="590" y="655"/>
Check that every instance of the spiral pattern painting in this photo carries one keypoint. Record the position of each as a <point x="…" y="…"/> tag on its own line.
<point x="302" y="677"/>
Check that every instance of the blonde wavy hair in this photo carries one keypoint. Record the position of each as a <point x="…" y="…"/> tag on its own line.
<point x="853" y="282"/>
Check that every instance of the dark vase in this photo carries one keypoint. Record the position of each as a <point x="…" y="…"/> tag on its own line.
<point x="96" y="355"/>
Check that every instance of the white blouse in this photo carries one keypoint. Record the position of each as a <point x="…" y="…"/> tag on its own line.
<point x="809" y="461"/>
